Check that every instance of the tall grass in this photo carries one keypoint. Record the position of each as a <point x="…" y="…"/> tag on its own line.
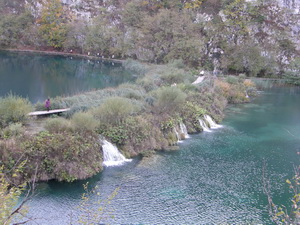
<point x="92" y="99"/>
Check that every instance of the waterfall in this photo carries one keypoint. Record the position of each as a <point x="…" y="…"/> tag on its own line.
<point x="247" y="96"/>
<point x="184" y="130"/>
<point x="204" y="126"/>
<point x="177" y="135"/>
<point x="212" y="123"/>
<point x="111" y="155"/>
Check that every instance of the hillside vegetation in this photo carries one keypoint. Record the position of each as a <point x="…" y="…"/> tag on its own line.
<point x="256" y="37"/>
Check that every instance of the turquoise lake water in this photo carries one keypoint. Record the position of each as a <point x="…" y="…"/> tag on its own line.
<point x="215" y="178"/>
<point x="38" y="77"/>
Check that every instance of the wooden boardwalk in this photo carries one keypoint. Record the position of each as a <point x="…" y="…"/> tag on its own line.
<point x="42" y="113"/>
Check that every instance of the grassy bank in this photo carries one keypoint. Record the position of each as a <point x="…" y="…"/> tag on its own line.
<point x="139" y="118"/>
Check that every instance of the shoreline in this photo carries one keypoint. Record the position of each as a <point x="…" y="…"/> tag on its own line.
<point x="59" y="53"/>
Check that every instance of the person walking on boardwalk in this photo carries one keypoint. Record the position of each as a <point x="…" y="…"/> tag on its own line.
<point x="47" y="104"/>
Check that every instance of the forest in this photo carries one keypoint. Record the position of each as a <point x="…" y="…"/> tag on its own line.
<point x="258" y="38"/>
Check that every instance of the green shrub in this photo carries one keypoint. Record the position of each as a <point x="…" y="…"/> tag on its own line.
<point x="147" y="83"/>
<point x="117" y="134"/>
<point x="135" y="66"/>
<point x="56" y="125"/>
<point x="115" y="110"/>
<point x="188" y="88"/>
<point x="173" y="76"/>
<point x="131" y="91"/>
<point x="14" y="129"/>
<point x="232" y="80"/>
<point x="64" y="157"/>
<point x="13" y="109"/>
<point x="169" y="99"/>
<point x="84" y="121"/>
<point x="177" y="63"/>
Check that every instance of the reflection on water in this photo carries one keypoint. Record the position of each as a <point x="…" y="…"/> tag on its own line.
<point x="40" y="76"/>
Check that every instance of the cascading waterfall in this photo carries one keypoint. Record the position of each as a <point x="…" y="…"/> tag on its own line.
<point x="177" y="135"/>
<point x="111" y="155"/>
<point x="212" y="123"/>
<point x="184" y="130"/>
<point x="204" y="126"/>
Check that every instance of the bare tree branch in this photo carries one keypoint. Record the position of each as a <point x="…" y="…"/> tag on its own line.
<point x="28" y="196"/>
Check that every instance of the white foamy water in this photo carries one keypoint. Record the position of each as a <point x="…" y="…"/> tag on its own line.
<point x="111" y="155"/>
<point x="212" y="124"/>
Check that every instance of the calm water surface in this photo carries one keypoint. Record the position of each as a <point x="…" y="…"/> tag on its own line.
<point x="214" y="178"/>
<point x="40" y="76"/>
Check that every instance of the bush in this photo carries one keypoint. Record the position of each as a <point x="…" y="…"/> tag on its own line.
<point x="135" y="66"/>
<point x="84" y="121"/>
<point x="177" y="63"/>
<point x="62" y="157"/>
<point x="131" y="91"/>
<point x="232" y="80"/>
<point x="173" y="76"/>
<point x="169" y="99"/>
<point x="115" y="110"/>
<point x="56" y="125"/>
<point x="14" y="129"/>
<point x="13" y="109"/>
<point x="147" y="83"/>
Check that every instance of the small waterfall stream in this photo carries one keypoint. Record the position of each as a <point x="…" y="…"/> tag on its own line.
<point x="111" y="155"/>
<point x="177" y="135"/>
<point x="204" y="126"/>
<point x="184" y="130"/>
<point x="212" y="124"/>
<point x="247" y="96"/>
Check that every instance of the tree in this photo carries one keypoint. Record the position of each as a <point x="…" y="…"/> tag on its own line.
<point x="99" y="37"/>
<point x="11" y="207"/>
<point x="53" y="23"/>
<point x="193" y="4"/>
<point x="237" y="17"/>
<point x="90" y="215"/>
<point x="13" y="28"/>
<point x="169" y="35"/>
<point x="247" y="58"/>
<point x="285" y="214"/>
<point x="76" y="35"/>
